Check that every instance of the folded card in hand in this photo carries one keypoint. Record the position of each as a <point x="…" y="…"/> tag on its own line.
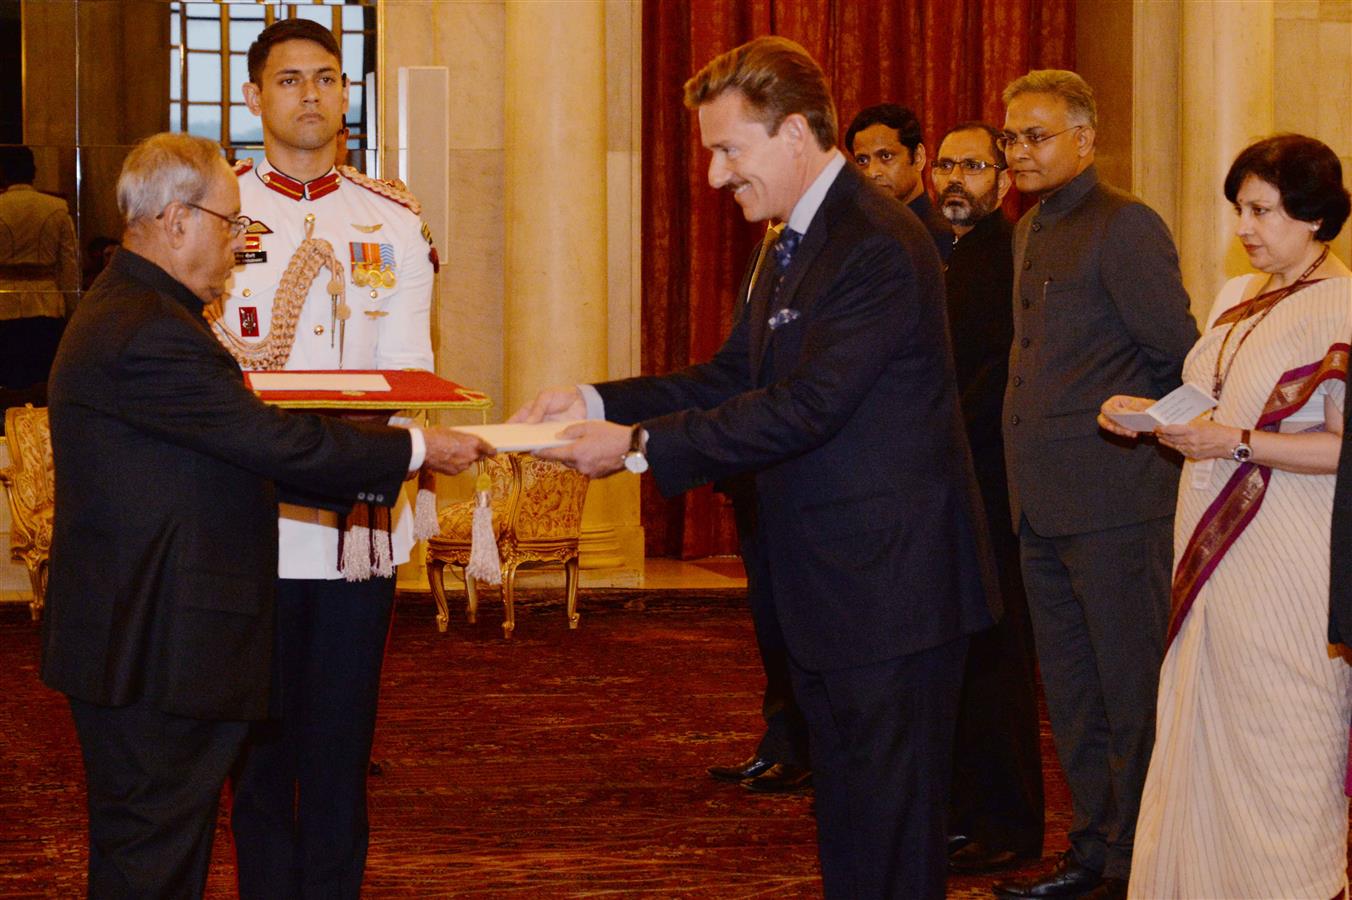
<point x="1182" y="405"/>
<point x="520" y="436"/>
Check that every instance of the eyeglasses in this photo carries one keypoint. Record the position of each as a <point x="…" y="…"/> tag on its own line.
<point x="237" y="224"/>
<point x="969" y="166"/>
<point x="1032" y="141"/>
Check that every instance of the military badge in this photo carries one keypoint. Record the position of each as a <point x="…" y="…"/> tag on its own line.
<point x="253" y="251"/>
<point x="372" y="265"/>
<point x="248" y="321"/>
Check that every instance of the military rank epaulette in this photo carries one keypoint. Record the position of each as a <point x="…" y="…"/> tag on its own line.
<point x="393" y="190"/>
<point x="243" y="167"/>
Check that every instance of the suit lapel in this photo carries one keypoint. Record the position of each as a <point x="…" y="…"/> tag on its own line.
<point x="764" y="253"/>
<point x="758" y="308"/>
<point x="816" y="238"/>
<point x="807" y="251"/>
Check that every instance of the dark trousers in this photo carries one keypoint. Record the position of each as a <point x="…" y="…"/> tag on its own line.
<point x="299" y="814"/>
<point x="785" y="737"/>
<point x="1099" y="604"/>
<point x="27" y="348"/>
<point x="882" y="750"/>
<point x="997" y="758"/>
<point x="153" y="782"/>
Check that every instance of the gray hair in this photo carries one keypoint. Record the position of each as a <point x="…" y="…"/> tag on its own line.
<point x="1070" y="87"/>
<point x="163" y="168"/>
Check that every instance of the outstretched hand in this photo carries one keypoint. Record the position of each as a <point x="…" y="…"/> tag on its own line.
<point x="597" y="448"/>
<point x="563" y="403"/>
<point x="451" y="452"/>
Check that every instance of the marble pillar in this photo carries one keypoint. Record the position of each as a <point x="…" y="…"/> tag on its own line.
<point x="1226" y="102"/>
<point x="555" y="312"/>
<point x="543" y="128"/>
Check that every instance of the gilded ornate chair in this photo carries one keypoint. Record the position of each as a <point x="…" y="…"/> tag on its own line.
<point x="537" y="520"/>
<point x="28" y="482"/>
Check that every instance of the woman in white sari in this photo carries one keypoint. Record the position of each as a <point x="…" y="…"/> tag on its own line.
<point x="1244" y="797"/>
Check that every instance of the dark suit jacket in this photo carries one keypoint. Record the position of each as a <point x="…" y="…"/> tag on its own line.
<point x="1099" y="309"/>
<point x="164" y="552"/>
<point x="848" y="415"/>
<point x="940" y="229"/>
<point x="979" y="278"/>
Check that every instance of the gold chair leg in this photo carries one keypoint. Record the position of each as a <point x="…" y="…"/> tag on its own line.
<point x="508" y="594"/>
<point x="38" y="579"/>
<point x="471" y="596"/>
<point x="435" y="579"/>
<point x="570" y="582"/>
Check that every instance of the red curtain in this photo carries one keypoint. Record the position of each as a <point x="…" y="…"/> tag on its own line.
<point x="946" y="59"/>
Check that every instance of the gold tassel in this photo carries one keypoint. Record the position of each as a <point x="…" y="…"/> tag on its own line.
<point x="484" y="563"/>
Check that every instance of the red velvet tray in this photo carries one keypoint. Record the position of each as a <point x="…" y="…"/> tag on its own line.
<point x="409" y="389"/>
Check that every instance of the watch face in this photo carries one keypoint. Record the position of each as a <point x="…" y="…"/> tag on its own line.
<point x="636" y="462"/>
<point x="1242" y="453"/>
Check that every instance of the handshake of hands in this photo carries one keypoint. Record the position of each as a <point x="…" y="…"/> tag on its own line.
<point x="597" y="447"/>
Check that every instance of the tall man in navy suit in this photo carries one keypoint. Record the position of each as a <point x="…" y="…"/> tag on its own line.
<point x="837" y="389"/>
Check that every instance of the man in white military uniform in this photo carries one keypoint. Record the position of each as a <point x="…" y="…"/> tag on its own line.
<point x="299" y="815"/>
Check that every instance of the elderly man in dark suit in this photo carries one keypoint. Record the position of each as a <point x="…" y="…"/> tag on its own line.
<point x="836" y="388"/>
<point x="160" y="605"/>
<point x="1099" y="309"/>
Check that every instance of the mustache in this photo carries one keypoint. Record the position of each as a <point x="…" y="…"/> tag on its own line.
<point x="957" y="190"/>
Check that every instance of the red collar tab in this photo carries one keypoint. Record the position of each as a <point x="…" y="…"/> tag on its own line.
<point x="325" y="184"/>
<point x="297" y="190"/>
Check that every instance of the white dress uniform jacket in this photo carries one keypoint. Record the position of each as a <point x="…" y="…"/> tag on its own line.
<point x="388" y="327"/>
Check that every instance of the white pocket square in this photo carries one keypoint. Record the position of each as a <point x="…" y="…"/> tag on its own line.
<point x="783" y="317"/>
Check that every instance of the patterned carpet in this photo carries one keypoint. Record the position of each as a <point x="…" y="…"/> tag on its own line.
<point x="559" y="764"/>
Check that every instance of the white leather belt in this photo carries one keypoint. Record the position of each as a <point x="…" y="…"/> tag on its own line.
<point x="307" y="514"/>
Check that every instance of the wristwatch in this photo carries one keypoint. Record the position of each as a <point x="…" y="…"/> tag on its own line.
<point x="1242" y="451"/>
<point x="636" y="459"/>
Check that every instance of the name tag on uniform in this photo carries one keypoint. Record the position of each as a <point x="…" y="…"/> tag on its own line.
<point x="253" y="251"/>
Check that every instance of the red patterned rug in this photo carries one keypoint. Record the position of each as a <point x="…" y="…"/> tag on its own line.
<point x="557" y="764"/>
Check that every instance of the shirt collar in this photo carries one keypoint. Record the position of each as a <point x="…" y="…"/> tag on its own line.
<point x="19" y="187"/>
<point x="137" y="267"/>
<point x="1068" y="195"/>
<point x="806" y="208"/>
<point x="276" y="180"/>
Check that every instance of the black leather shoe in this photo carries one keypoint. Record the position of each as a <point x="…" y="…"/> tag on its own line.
<point x="748" y="768"/>
<point x="1067" y="879"/>
<point x="975" y="858"/>
<point x="956" y="842"/>
<point x="781" y="778"/>
<point x="1109" y="889"/>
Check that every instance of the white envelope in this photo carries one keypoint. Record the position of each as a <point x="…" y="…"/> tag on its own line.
<point x="518" y="436"/>
<point x="1181" y="405"/>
